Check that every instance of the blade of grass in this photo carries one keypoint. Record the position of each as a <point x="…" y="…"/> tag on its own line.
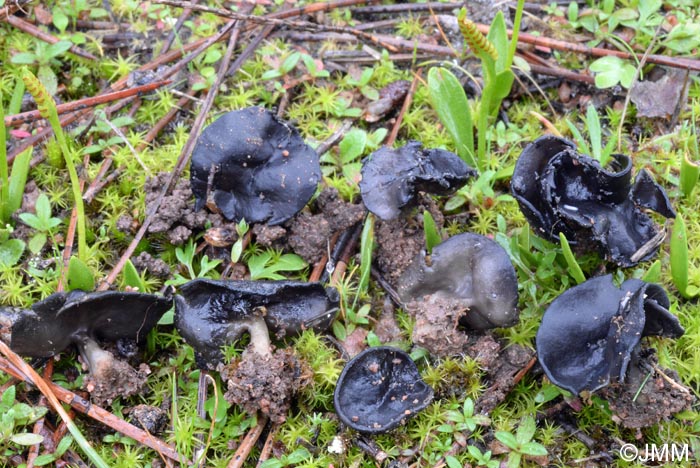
<point x="4" y="179"/>
<point x="574" y="268"/>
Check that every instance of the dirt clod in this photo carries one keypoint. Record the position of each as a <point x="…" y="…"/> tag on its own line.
<point x="113" y="379"/>
<point x="309" y="236"/>
<point x="436" y="328"/>
<point x="149" y="418"/>
<point x="510" y="361"/>
<point x="154" y="266"/>
<point x="264" y="383"/>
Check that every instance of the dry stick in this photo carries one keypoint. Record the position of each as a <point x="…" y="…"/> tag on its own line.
<point x="267" y="447"/>
<point x="180" y="164"/>
<point x="30" y="116"/>
<point x="11" y="7"/>
<point x="280" y="22"/>
<point x="406" y="105"/>
<point x="39" y="425"/>
<point x="675" y="62"/>
<point x="176" y="28"/>
<point x="409" y="7"/>
<point x="32" y="30"/>
<point x="248" y="442"/>
<point x="25" y="373"/>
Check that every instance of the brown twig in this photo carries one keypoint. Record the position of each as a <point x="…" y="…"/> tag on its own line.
<point x="248" y="443"/>
<point x="39" y="425"/>
<point x="19" y="369"/>
<point x="32" y="30"/>
<point x="178" y="24"/>
<point x="540" y="41"/>
<point x="405" y="7"/>
<point x="267" y="447"/>
<point x="30" y="116"/>
<point x="404" y="108"/>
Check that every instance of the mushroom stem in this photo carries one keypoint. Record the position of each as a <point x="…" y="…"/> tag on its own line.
<point x="257" y="329"/>
<point x="94" y="356"/>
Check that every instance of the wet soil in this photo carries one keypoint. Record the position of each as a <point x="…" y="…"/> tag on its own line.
<point x="265" y="383"/>
<point x="503" y="368"/>
<point x="399" y="241"/>
<point x="113" y="379"/>
<point x="658" y="399"/>
<point x="149" y="418"/>
<point x="154" y="266"/>
<point x="437" y="325"/>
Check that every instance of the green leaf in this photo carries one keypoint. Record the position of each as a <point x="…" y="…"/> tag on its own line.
<point x="547" y="393"/>
<point x="54" y="50"/>
<point x="132" y="277"/>
<point x="339" y="330"/>
<point x="513" y="460"/>
<point x="533" y="449"/>
<point x="24" y="58"/>
<point x="79" y="275"/>
<point x="18" y="179"/>
<point x="353" y="145"/>
<point x="574" y="268"/>
<point x="432" y="235"/>
<point x="499" y="38"/>
<point x="612" y="70"/>
<point x="503" y="82"/>
<point x="63" y="445"/>
<point x="8" y="396"/>
<point x="684" y="37"/>
<point x="452" y="462"/>
<point x="60" y="20"/>
<point x="679" y="259"/>
<point x="45" y="459"/>
<point x="450" y="102"/>
<point x="594" y="133"/>
<point x="27" y="438"/>
<point x="526" y="430"/>
<point x="48" y="78"/>
<point x="507" y="439"/>
<point x="366" y="248"/>
<point x="11" y="251"/>
<point x="37" y="242"/>
<point x="653" y="274"/>
<point x="580" y="141"/>
<point x="690" y="171"/>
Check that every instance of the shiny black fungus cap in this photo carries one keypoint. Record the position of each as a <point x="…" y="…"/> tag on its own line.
<point x="62" y="319"/>
<point x="253" y="166"/>
<point x="392" y="178"/>
<point x="590" y="332"/>
<point x="206" y="311"/>
<point x="379" y="389"/>
<point x="560" y="190"/>
<point x="471" y="269"/>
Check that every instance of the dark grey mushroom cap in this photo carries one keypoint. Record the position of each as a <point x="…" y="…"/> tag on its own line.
<point x="62" y="319"/>
<point x="473" y="269"/>
<point x="263" y="170"/>
<point x="589" y="333"/>
<point x="206" y="311"/>
<point x="560" y="190"/>
<point x="392" y="178"/>
<point x="378" y="389"/>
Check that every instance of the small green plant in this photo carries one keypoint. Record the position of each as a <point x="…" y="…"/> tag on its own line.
<point x="355" y="144"/>
<point x="352" y="321"/>
<point x="574" y="267"/>
<point x="268" y="264"/>
<point x="11" y="186"/>
<point x="611" y="70"/>
<point x="431" y="232"/>
<point x="11" y="250"/>
<point x="44" y="56"/>
<point x="296" y="457"/>
<point x="482" y="459"/>
<point x="42" y="222"/>
<point x="366" y="249"/>
<point x="79" y="276"/>
<point x="13" y="416"/>
<point x="600" y="153"/>
<point x="185" y="255"/>
<point x="690" y="169"/>
<point x="520" y="445"/>
<point x="447" y="95"/>
<point x="237" y="248"/>
<point x="47" y="109"/>
<point x="679" y="259"/>
<point x="464" y="420"/>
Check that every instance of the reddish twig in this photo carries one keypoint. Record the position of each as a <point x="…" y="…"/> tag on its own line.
<point x="540" y="41"/>
<point x="32" y="30"/>
<point x="30" y="116"/>
<point x="39" y="425"/>
<point x="87" y="408"/>
<point x="248" y="443"/>
<point x="406" y="105"/>
<point x="267" y="447"/>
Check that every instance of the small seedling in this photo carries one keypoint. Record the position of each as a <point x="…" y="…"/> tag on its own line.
<point x="185" y="256"/>
<point x="14" y="415"/>
<point x="690" y="169"/>
<point x="430" y="230"/>
<point x="79" y="275"/>
<point x="42" y="222"/>
<point x="237" y="249"/>
<point x="520" y="445"/>
<point x="482" y="459"/>
<point x="11" y="250"/>
<point x="574" y="268"/>
<point x="464" y="420"/>
<point x="267" y="264"/>
<point x="600" y="153"/>
<point x="44" y="57"/>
